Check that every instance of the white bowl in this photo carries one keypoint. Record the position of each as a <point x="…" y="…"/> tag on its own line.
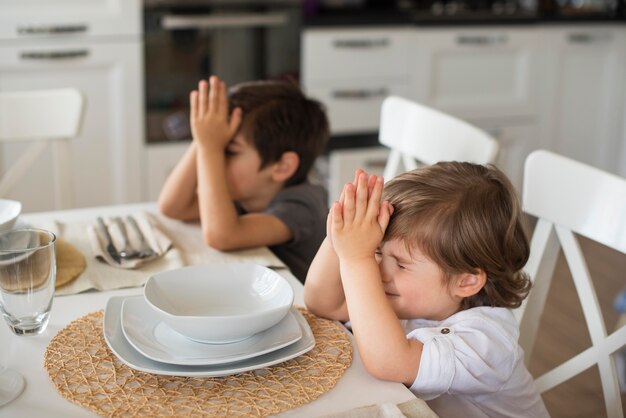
<point x="9" y="212"/>
<point x="220" y="303"/>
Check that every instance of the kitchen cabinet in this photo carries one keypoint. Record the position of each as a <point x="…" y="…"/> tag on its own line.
<point x="106" y="157"/>
<point x="160" y="161"/>
<point x="516" y="142"/>
<point x="476" y="73"/>
<point x="103" y="59"/>
<point x="343" y="163"/>
<point x="585" y="93"/>
<point x="34" y="19"/>
<point x="352" y="70"/>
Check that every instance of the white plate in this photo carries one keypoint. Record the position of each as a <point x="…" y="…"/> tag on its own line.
<point x="145" y="330"/>
<point x="114" y="337"/>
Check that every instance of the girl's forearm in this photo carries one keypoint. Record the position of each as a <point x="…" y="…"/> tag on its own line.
<point x="323" y="291"/>
<point x="384" y="348"/>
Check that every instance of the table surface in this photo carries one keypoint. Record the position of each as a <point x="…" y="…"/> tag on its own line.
<point x="26" y="354"/>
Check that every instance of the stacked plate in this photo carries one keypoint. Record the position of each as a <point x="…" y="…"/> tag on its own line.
<point x="142" y="336"/>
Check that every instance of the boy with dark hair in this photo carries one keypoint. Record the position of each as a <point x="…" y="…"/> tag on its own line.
<point x="245" y="173"/>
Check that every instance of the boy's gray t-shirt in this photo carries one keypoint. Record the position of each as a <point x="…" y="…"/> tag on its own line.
<point x="303" y="209"/>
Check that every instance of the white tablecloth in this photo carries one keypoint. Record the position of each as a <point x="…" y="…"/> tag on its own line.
<point x="25" y="354"/>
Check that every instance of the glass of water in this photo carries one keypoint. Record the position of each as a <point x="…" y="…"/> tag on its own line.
<point x="27" y="279"/>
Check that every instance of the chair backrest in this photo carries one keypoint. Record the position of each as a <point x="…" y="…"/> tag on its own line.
<point x="569" y="197"/>
<point x="416" y="132"/>
<point x="41" y="116"/>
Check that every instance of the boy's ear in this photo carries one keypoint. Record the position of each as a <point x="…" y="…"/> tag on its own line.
<point x="468" y="284"/>
<point x="286" y="166"/>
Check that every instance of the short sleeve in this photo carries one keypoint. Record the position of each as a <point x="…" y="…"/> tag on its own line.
<point x="470" y="354"/>
<point x="301" y="209"/>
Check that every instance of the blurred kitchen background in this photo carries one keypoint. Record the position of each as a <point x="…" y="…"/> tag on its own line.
<point x="533" y="73"/>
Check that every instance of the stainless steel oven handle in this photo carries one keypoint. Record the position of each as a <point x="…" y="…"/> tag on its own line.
<point x="216" y="21"/>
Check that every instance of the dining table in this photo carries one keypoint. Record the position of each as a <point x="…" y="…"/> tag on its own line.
<point x="25" y="354"/>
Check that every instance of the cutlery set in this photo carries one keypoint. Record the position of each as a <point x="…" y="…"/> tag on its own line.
<point x="127" y="252"/>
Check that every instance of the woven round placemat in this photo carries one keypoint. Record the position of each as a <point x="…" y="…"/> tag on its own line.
<point x="87" y="373"/>
<point x="70" y="262"/>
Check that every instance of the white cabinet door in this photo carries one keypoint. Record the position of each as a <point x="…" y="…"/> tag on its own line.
<point x="343" y="164"/>
<point x="160" y="161"/>
<point x="331" y="54"/>
<point x="106" y="158"/>
<point x="585" y="76"/>
<point x="351" y="71"/>
<point x="353" y="106"/>
<point x="476" y="72"/>
<point x="31" y="19"/>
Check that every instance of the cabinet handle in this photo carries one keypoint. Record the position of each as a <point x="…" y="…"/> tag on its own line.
<point x="54" y="55"/>
<point x="588" y="38"/>
<point x="360" y="94"/>
<point x="215" y="21"/>
<point x="481" y="40"/>
<point x="361" y="43"/>
<point x="51" y="29"/>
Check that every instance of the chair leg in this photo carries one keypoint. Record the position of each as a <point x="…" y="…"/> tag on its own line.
<point x="63" y="182"/>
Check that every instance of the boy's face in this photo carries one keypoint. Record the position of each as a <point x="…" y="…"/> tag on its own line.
<point x="245" y="180"/>
<point x="414" y="284"/>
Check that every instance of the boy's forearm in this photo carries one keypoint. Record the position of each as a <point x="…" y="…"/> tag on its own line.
<point x="384" y="348"/>
<point x="178" y="198"/>
<point x="323" y="291"/>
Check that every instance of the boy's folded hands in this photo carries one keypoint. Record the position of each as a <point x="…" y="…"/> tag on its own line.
<point x="209" y="119"/>
<point x="358" y="221"/>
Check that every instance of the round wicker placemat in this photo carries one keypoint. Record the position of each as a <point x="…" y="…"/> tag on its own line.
<point x="87" y="373"/>
<point x="70" y="262"/>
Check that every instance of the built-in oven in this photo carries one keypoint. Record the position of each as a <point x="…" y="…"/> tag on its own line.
<point x="188" y="40"/>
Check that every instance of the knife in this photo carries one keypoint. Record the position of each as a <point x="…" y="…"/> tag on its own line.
<point x="109" y="242"/>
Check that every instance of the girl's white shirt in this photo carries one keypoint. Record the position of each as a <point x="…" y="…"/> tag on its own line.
<point x="472" y="366"/>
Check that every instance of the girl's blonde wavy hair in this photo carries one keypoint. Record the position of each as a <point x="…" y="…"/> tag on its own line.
<point x="465" y="217"/>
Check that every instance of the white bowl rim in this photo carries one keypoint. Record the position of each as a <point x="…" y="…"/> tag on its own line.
<point x="216" y="317"/>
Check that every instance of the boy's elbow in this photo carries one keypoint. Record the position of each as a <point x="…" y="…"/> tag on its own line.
<point x="219" y="241"/>
<point x="165" y="208"/>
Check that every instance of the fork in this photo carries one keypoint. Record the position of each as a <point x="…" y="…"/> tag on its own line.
<point x="145" y="251"/>
<point x="126" y="253"/>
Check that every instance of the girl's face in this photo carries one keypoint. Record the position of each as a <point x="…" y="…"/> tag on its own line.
<point x="414" y="284"/>
<point x="243" y="176"/>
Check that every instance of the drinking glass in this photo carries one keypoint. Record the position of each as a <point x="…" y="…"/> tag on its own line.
<point x="27" y="279"/>
<point x="11" y="385"/>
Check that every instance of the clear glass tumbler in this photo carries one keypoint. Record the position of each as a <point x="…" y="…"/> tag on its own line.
<point x="27" y="279"/>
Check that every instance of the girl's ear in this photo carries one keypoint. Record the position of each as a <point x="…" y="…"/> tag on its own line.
<point x="286" y="166"/>
<point x="468" y="284"/>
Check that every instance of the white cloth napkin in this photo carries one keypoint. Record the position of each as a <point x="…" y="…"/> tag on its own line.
<point x="188" y="248"/>
<point x="415" y="408"/>
<point x="156" y="239"/>
<point x="102" y="276"/>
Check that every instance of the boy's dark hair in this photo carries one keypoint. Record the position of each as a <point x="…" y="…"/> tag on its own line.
<point x="464" y="217"/>
<point x="278" y="117"/>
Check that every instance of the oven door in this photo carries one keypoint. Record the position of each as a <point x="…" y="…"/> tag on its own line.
<point x="186" y="41"/>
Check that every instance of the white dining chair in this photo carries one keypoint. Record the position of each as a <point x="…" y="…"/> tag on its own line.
<point x="41" y="117"/>
<point x="568" y="198"/>
<point x="416" y="133"/>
